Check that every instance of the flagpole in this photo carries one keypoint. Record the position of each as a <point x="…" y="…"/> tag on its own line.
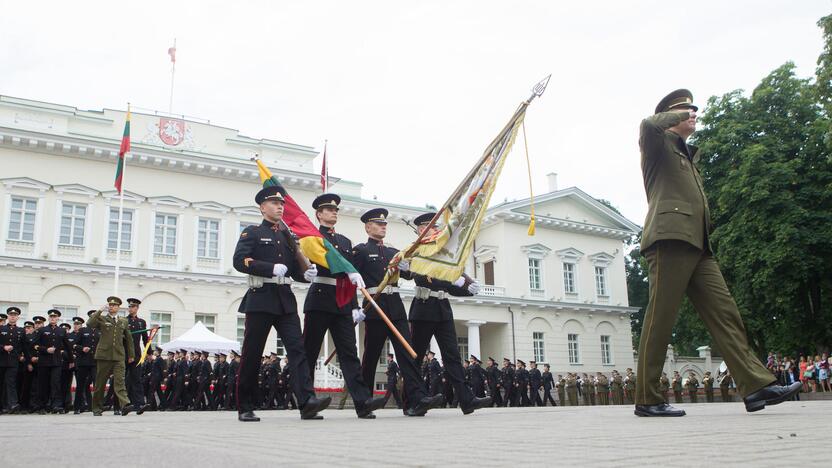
<point x="120" y="219"/>
<point x="172" y="74"/>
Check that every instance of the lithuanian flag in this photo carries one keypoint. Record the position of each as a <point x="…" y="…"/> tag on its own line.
<point x="122" y="151"/>
<point x="312" y="243"/>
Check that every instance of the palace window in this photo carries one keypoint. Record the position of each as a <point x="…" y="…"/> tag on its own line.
<point x="22" y="219"/>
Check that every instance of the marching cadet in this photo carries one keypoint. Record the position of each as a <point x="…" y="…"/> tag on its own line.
<point x="676" y="384"/>
<point x="630" y="386"/>
<point x="548" y="383"/>
<point x="708" y="384"/>
<point x="725" y="387"/>
<point x="393" y="381"/>
<point x="138" y="332"/>
<point x="434" y="373"/>
<point x="85" y="343"/>
<point x="572" y="389"/>
<point x="271" y="378"/>
<point x="12" y="342"/>
<point x="220" y="381"/>
<point x="603" y="388"/>
<point x="692" y="387"/>
<point x="115" y="348"/>
<point x="204" y="377"/>
<point x="508" y="383"/>
<point x="371" y="259"/>
<point x="521" y="383"/>
<point x="68" y="368"/>
<point x="322" y="312"/>
<point x="267" y="253"/>
<point x="288" y="398"/>
<point x="431" y="316"/>
<point x="231" y="381"/>
<point x="535" y="381"/>
<point x="29" y="391"/>
<point x="617" y="388"/>
<point x="664" y="385"/>
<point x="561" y="386"/>
<point x="478" y="377"/>
<point x="448" y="388"/>
<point x="156" y="378"/>
<point x="494" y="382"/>
<point x="50" y="342"/>
<point x="676" y="244"/>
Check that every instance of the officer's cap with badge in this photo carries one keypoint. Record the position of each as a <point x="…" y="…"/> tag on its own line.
<point x="376" y="215"/>
<point x="53" y="313"/>
<point x="272" y="192"/>
<point x="424" y="218"/>
<point x="65" y="326"/>
<point x="679" y="99"/>
<point x="326" y="200"/>
<point x="90" y="312"/>
<point x="133" y="301"/>
<point x="77" y="320"/>
<point x="38" y="319"/>
<point x="3" y="316"/>
<point x="13" y="310"/>
<point x="113" y="300"/>
<point x="28" y="323"/>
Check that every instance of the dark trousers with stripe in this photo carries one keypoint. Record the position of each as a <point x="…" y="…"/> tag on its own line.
<point x="315" y="325"/>
<point x="257" y="328"/>
<point x="375" y="334"/>
<point x="445" y="334"/>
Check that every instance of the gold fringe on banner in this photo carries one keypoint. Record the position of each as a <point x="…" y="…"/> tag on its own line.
<point x="529" y="166"/>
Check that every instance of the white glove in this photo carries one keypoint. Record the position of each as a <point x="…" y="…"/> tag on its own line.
<point x="310" y="273"/>
<point x="358" y="315"/>
<point x="279" y="270"/>
<point x="458" y="283"/>
<point x="404" y="265"/>
<point x="474" y="288"/>
<point x="357" y="280"/>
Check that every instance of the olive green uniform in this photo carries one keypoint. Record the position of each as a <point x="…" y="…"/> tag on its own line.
<point x="630" y="388"/>
<point x="676" y="245"/>
<point x="617" y="388"/>
<point x="725" y="388"/>
<point x="561" y="391"/>
<point x="572" y="390"/>
<point x="664" y="386"/>
<point x="693" y="387"/>
<point x="708" y="385"/>
<point x="114" y="347"/>
<point x="603" y="387"/>
<point x="677" y="390"/>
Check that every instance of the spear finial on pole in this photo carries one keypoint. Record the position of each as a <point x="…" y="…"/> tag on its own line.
<point x="539" y="88"/>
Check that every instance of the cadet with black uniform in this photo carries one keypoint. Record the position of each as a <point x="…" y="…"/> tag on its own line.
<point x="535" y="381"/>
<point x="521" y="384"/>
<point x="12" y="342"/>
<point x="548" y="383"/>
<point x="49" y="342"/>
<point x="322" y="312"/>
<point x="494" y="382"/>
<point x="138" y="331"/>
<point x="266" y="253"/>
<point x="393" y="381"/>
<point x="371" y="259"/>
<point x="478" y="377"/>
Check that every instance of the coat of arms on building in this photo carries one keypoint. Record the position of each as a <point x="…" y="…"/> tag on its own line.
<point x="171" y="131"/>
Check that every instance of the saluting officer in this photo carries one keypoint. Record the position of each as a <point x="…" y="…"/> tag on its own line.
<point x="431" y="316"/>
<point x="12" y="342"/>
<point x="267" y="253"/>
<point x="677" y="247"/>
<point x="321" y="312"/>
<point x="50" y="342"/>
<point x="371" y="260"/>
<point x="114" y="350"/>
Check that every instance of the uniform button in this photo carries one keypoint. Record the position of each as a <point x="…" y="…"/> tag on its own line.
<point x="675" y="209"/>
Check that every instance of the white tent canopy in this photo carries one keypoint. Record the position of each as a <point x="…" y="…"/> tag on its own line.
<point x="200" y="338"/>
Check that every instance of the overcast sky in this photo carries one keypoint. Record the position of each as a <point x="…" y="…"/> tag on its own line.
<point x="410" y="93"/>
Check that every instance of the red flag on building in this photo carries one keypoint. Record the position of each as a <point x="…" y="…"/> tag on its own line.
<point x="172" y="53"/>
<point x="324" y="173"/>
<point x="122" y="151"/>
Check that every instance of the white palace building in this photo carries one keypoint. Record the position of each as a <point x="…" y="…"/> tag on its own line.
<point x="559" y="297"/>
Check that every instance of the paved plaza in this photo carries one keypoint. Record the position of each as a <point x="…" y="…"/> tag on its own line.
<point x="599" y="436"/>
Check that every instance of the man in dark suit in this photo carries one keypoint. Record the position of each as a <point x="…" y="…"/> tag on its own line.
<point x="431" y="316"/>
<point x="680" y="260"/>
<point x="322" y="313"/>
<point x="267" y="253"/>
<point x="548" y="383"/>
<point x="535" y="381"/>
